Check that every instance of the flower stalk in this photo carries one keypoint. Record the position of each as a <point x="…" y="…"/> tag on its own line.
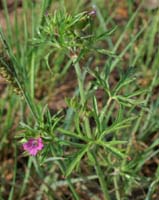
<point x="82" y="93"/>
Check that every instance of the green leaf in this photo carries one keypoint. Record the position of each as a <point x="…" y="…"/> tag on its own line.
<point x="27" y="127"/>
<point x="106" y="52"/>
<point x="95" y="113"/>
<point x="116" y="142"/>
<point x="129" y="102"/>
<point x="136" y="93"/>
<point x="74" y="135"/>
<point x="117" y="126"/>
<point x="125" y="80"/>
<point x="106" y="34"/>
<point x="72" y="144"/>
<point x="76" y="160"/>
<point x="112" y="149"/>
<point x="90" y="158"/>
<point x="95" y="105"/>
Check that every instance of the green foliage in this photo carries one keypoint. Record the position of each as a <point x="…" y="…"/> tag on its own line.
<point x="99" y="133"/>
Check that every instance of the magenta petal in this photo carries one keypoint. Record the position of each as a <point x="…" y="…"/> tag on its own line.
<point x="33" y="152"/>
<point x="32" y="146"/>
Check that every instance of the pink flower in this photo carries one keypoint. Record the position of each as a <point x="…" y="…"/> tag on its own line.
<point x="33" y="145"/>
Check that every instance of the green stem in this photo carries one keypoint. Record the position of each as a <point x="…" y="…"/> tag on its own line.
<point x="105" y="109"/>
<point x="26" y="178"/>
<point x="32" y="75"/>
<point x="11" y="194"/>
<point x="80" y="80"/>
<point x="116" y="187"/>
<point x="82" y="93"/>
<point x="101" y="178"/>
<point x="6" y="14"/>
<point x="63" y="170"/>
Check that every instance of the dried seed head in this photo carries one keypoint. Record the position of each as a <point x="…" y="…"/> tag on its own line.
<point x="9" y="77"/>
<point x="92" y="13"/>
